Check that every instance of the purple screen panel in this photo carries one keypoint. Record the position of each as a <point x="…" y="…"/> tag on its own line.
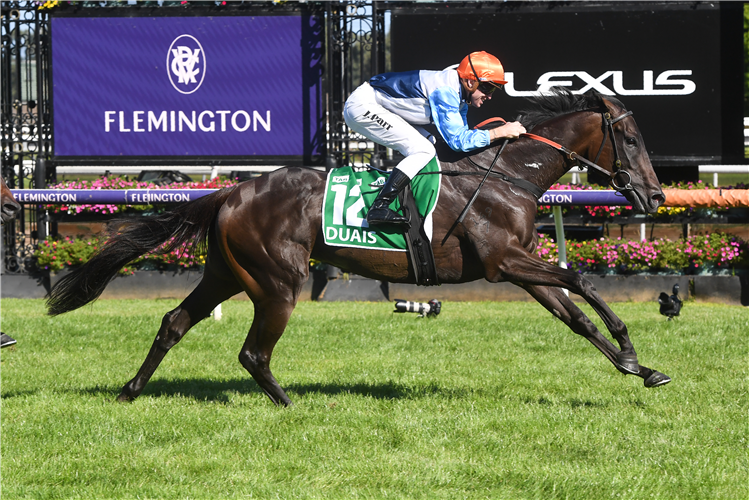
<point x="187" y="86"/>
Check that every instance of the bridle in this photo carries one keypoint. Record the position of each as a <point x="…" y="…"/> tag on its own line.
<point x="608" y="130"/>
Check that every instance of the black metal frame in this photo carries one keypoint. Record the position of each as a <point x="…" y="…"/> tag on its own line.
<point x="354" y="51"/>
<point x="24" y="122"/>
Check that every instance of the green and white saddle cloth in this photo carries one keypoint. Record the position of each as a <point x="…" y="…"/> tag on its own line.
<point x="349" y="194"/>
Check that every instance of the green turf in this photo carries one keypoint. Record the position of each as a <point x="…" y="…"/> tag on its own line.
<point x="489" y="400"/>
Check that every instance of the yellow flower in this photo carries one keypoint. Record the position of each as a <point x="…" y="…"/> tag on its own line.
<point x="670" y="210"/>
<point x="49" y="4"/>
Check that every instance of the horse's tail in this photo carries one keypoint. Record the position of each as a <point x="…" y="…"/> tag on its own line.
<point x="185" y="226"/>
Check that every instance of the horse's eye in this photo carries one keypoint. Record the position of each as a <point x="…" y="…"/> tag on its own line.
<point x="631" y="141"/>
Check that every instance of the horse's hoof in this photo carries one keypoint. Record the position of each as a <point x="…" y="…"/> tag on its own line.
<point x="124" y="398"/>
<point x="656" y="379"/>
<point x="628" y="363"/>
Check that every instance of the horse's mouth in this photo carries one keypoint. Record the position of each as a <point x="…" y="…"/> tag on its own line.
<point x="7" y="214"/>
<point x="8" y="211"/>
<point x="645" y="203"/>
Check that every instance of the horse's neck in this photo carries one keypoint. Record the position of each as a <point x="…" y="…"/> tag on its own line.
<point x="525" y="159"/>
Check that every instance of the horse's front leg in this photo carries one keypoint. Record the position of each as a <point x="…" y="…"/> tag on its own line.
<point x="557" y="303"/>
<point x="523" y="268"/>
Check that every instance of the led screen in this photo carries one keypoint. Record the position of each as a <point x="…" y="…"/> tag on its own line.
<point x="677" y="66"/>
<point x="187" y="86"/>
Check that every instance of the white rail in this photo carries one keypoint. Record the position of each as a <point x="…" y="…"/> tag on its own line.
<point x="723" y="169"/>
<point x="703" y="169"/>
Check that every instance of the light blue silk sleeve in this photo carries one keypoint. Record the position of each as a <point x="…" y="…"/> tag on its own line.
<point x="451" y="121"/>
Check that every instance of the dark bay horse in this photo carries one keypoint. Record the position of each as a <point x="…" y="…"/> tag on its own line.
<point x="261" y="234"/>
<point x="10" y="206"/>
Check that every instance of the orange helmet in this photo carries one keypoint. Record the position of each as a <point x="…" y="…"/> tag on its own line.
<point x="482" y="67"/>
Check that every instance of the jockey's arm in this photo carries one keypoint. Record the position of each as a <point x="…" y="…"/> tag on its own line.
<point x="450" y="121"/>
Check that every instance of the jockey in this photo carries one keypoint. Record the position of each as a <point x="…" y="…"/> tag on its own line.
<point x="391" y="108"/>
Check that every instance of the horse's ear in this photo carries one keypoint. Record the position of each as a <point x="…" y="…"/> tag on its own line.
<point x="597" y="100"/>
<point x="607" y="104"/>
<point x="613" y="105"/>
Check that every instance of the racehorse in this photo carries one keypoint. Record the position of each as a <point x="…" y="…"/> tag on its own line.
<point x="10" y="206"/>
<point x="261" y="234"/>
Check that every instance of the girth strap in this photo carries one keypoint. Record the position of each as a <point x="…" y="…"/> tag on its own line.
<point x="417" y="243"/>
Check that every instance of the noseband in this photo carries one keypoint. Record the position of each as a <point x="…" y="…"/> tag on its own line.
<point x="608" y="129"/>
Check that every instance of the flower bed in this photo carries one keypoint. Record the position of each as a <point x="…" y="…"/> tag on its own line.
<point x="711" y="254"/>
<point x="57" y="254"/>
<point x="715" y="253"/>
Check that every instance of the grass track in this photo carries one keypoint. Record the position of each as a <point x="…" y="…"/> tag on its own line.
<point x="489" y="400"/>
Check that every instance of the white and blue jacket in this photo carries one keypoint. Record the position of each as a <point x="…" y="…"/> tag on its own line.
<point x="423" y="97"/>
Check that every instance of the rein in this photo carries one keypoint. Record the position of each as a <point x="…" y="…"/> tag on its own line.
<point x="537" y="191"/>
<point x="608" y="129"/>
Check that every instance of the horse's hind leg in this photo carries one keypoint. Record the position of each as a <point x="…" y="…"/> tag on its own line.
<point x="209" y="293"/>
<point x="274" y="286"/>
<point x="563" y="308"/>
<point x="268" y="324"/>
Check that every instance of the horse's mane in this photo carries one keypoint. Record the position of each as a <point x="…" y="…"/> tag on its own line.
<point x="557" y="102"/>
<point x="560" y="101"/>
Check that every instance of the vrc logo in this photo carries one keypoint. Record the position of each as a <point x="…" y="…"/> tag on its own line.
<point x="185" y="64"/>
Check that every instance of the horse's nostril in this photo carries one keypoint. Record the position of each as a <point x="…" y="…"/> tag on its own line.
<point x="659" y="198"/>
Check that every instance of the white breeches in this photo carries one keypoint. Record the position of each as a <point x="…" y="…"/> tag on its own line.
<point x="366" y="117"/>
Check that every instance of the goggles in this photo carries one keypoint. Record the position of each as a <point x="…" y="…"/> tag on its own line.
<point x="487" y="88"/>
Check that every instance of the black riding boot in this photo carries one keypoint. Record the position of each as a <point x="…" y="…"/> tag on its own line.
<point x="380" y="214"/>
